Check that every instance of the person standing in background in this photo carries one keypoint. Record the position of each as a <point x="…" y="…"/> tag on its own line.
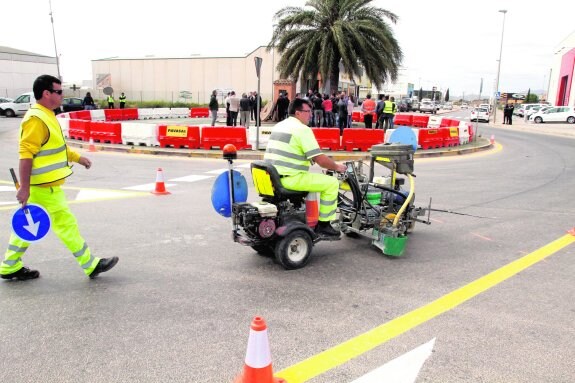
<point x="110" y="102"/>
<point x="245" y="111"/>
<point x="89" y="102"/>
<point x="234" y="108"/>
<point x="350" y="106"/>
<point x="214" y="106"/>
<point x="368" y="109"/>
<point x="122" y="99"/>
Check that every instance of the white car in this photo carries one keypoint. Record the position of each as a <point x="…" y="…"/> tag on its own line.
<point x="427" y="107"/>
<point x="464" y="106"/>
<point x="480" y="114"/>
<point x="555" y="114"/>
<point x="19" y="106"/>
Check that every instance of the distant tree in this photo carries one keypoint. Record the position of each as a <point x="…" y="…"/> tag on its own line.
<point x="447" y="95"/>
<point x="325" y="34"/>
<point x="420" y="94"/>
<point x="528" y="95"/>
<point x="531" y="98"/>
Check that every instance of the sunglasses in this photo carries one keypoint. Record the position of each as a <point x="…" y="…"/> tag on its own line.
<point x="59" y="91"/>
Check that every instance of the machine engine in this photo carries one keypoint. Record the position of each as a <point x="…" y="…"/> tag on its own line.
<point x="258" y="219"/>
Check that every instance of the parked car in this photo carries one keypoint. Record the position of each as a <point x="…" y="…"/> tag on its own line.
<point x="404" y="105"/>
<point x="427" y="107"/>
<point x="480" y="114"/>
<point x="5" y="99"/>
<point x="72" y="104"/>
<point x="19" y="106"/>
<point x="555" y="114"/>
<point x="523" y="108"/>
<point x="448" y="106"/>
<point x="464" y="106"/>
<point x="489" y="107"/>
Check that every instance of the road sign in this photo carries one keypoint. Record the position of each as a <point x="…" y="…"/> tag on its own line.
<point x="31" y="223"/>
<point x="258" y="61"/>
<point x="498" y="95"/>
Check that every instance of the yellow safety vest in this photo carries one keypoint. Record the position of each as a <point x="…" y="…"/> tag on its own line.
<point x="388" y="107"/>
<point x="50" y="164"/>
<point x="291" y="147"/>
<point x="110" y="99"/>
<point x="122" y="98"/>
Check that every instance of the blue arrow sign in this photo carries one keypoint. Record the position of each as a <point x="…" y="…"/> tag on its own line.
<point x="31" y="223"/>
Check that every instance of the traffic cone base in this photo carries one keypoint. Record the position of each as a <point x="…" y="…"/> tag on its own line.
<point x="91" y="146"/>
<point x="492" y="139"/>
<point x="160" y="186"/>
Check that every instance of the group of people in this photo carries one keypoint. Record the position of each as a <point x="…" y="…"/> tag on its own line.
<point x="89" y="103"/>
<point x="246" y="107"/>
<point x="383" y="111"/>
<point x="331" y="111"/>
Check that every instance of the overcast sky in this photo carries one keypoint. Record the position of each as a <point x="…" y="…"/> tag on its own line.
<point x="446" y="43"/>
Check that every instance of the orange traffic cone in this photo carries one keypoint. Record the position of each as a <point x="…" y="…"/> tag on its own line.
<point x="160" y="186"/>
<point x="492" y="139"/>
<point x="258" y="362"/>
<point x="91" y="146"/>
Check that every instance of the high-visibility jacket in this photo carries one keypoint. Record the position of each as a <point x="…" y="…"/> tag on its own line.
<point x="122" y="98"/>
<point x="368" y="106"/>
<point x="291" y="147"/>
<point x="51" y="162"/>
<point x="110" y="99"/>
<point x="388" y="107"/>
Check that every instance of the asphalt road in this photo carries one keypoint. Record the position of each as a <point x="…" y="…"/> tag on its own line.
<point x="178" y="305"/>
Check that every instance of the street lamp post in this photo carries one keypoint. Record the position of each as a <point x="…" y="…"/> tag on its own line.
<point x="504" y="11"/>
<point x="54" y="36"/>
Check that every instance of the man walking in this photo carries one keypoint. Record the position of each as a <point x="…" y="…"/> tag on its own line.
<point x="43" y="169"/>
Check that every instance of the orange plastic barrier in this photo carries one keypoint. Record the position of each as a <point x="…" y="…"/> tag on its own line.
<point x="104" y="131"/>
<point x="79" y="130"/>
<point x="403" y="119"/>
<point x="420" y="121"/>
<point x="113" y="114"/>
<point x="219" y="136"/>
<point x="430" y="138"/>
<point x="361" y="139"/>
<point x="179" y="136"/>
<point x="129" y="114"/>
<point x="199" y="112"/>
<point x="327" y="138"/>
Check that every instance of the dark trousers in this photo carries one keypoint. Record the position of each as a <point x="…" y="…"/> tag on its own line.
<point x="110" y="105"/>
<point x="342" y="122"/>
<point x="233" y="118"/>
<point x="122" y="104"/>
<point x="367" y="119"/>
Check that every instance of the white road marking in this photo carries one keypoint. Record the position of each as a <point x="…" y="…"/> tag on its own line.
<point x="403" y="369"/>
<point x="9" y="203"/>
<point x="217" y="171"/>
<point x="146" y="187"/>
<point x="97" y="194"/>
<point x="192" y="178"/>
<point x="7" y="188"/>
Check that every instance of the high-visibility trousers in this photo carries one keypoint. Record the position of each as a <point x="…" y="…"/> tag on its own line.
<point x="327" y="186"/>
<point x="64" y="225"/>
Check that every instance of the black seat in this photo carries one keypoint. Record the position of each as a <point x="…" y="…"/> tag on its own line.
<point x="268" y="184"/>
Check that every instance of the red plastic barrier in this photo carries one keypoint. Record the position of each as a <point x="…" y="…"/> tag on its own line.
<point x="361" y="139"/>
<point x="446" y="122"/>
<point x="357" y="116"/>
<point x="327" y="138"/>
<point x="79" y="130"/>
<point x="430" y="138"/>
<point x="199" y="112"/>
<point x="179" y="136"/>
<point x="82" y="115"/>
<point x="450" y="136"/>
<point x="216" y="136"/>
<point x="113" y="114"/>
<point x="129" y="114"/>
<point x="420" y="121"/>
<point x="471" y="131"/>
<point x="104" y="131"/>
<point x="403" y="119"/>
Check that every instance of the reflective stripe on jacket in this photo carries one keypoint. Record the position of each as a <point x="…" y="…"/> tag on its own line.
<point x="291" y="147"/>
<point x="51" y="162"/>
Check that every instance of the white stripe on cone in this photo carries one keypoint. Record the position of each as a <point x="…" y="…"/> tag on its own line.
<point x="160" y="176"/>
<point x="258" y="354"/>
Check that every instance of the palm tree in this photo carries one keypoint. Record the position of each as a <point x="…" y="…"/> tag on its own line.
<point x="317" y="38"/>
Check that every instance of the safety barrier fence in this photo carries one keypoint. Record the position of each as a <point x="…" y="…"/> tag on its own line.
<point x="119" y="126"/>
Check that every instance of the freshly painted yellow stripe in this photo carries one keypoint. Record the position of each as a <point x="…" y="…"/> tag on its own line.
<point x="335" y="356"/>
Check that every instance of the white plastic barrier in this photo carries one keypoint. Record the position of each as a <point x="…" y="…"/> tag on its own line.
<point x="179" y="113"/>
<point x="463" y="133"/>
<point x="434" y="121"/>
<point x="145" y="114"/>
<point x="161" y="113"/>
<point x="64" y="124"/>
<point x="264" y="136"/>
<point x="97" y="115"/>
<point x="139" y="133"/>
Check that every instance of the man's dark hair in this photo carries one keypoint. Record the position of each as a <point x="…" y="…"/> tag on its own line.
<point x="42" y="83"/>
<point x="296" y="104"/>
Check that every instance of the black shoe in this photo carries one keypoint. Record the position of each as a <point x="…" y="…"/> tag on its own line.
<point x="324" y="229"/>
<point x="22" y="275"/>
<point x="104" y="265"/>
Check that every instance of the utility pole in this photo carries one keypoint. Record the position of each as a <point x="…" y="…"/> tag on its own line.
<point x="54" y="36"/>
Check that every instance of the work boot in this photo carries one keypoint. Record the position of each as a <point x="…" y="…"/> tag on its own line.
<point x="324" y="229"/>
<point x="104" y="265"/>
<point x="22" y="275"/>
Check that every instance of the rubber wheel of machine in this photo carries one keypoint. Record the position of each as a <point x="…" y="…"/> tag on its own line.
<point x="293" y="250"/>
<point x="264" y="251"/>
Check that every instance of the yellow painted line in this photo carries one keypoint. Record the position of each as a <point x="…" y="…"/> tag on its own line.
<point x="342" y="353"/>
